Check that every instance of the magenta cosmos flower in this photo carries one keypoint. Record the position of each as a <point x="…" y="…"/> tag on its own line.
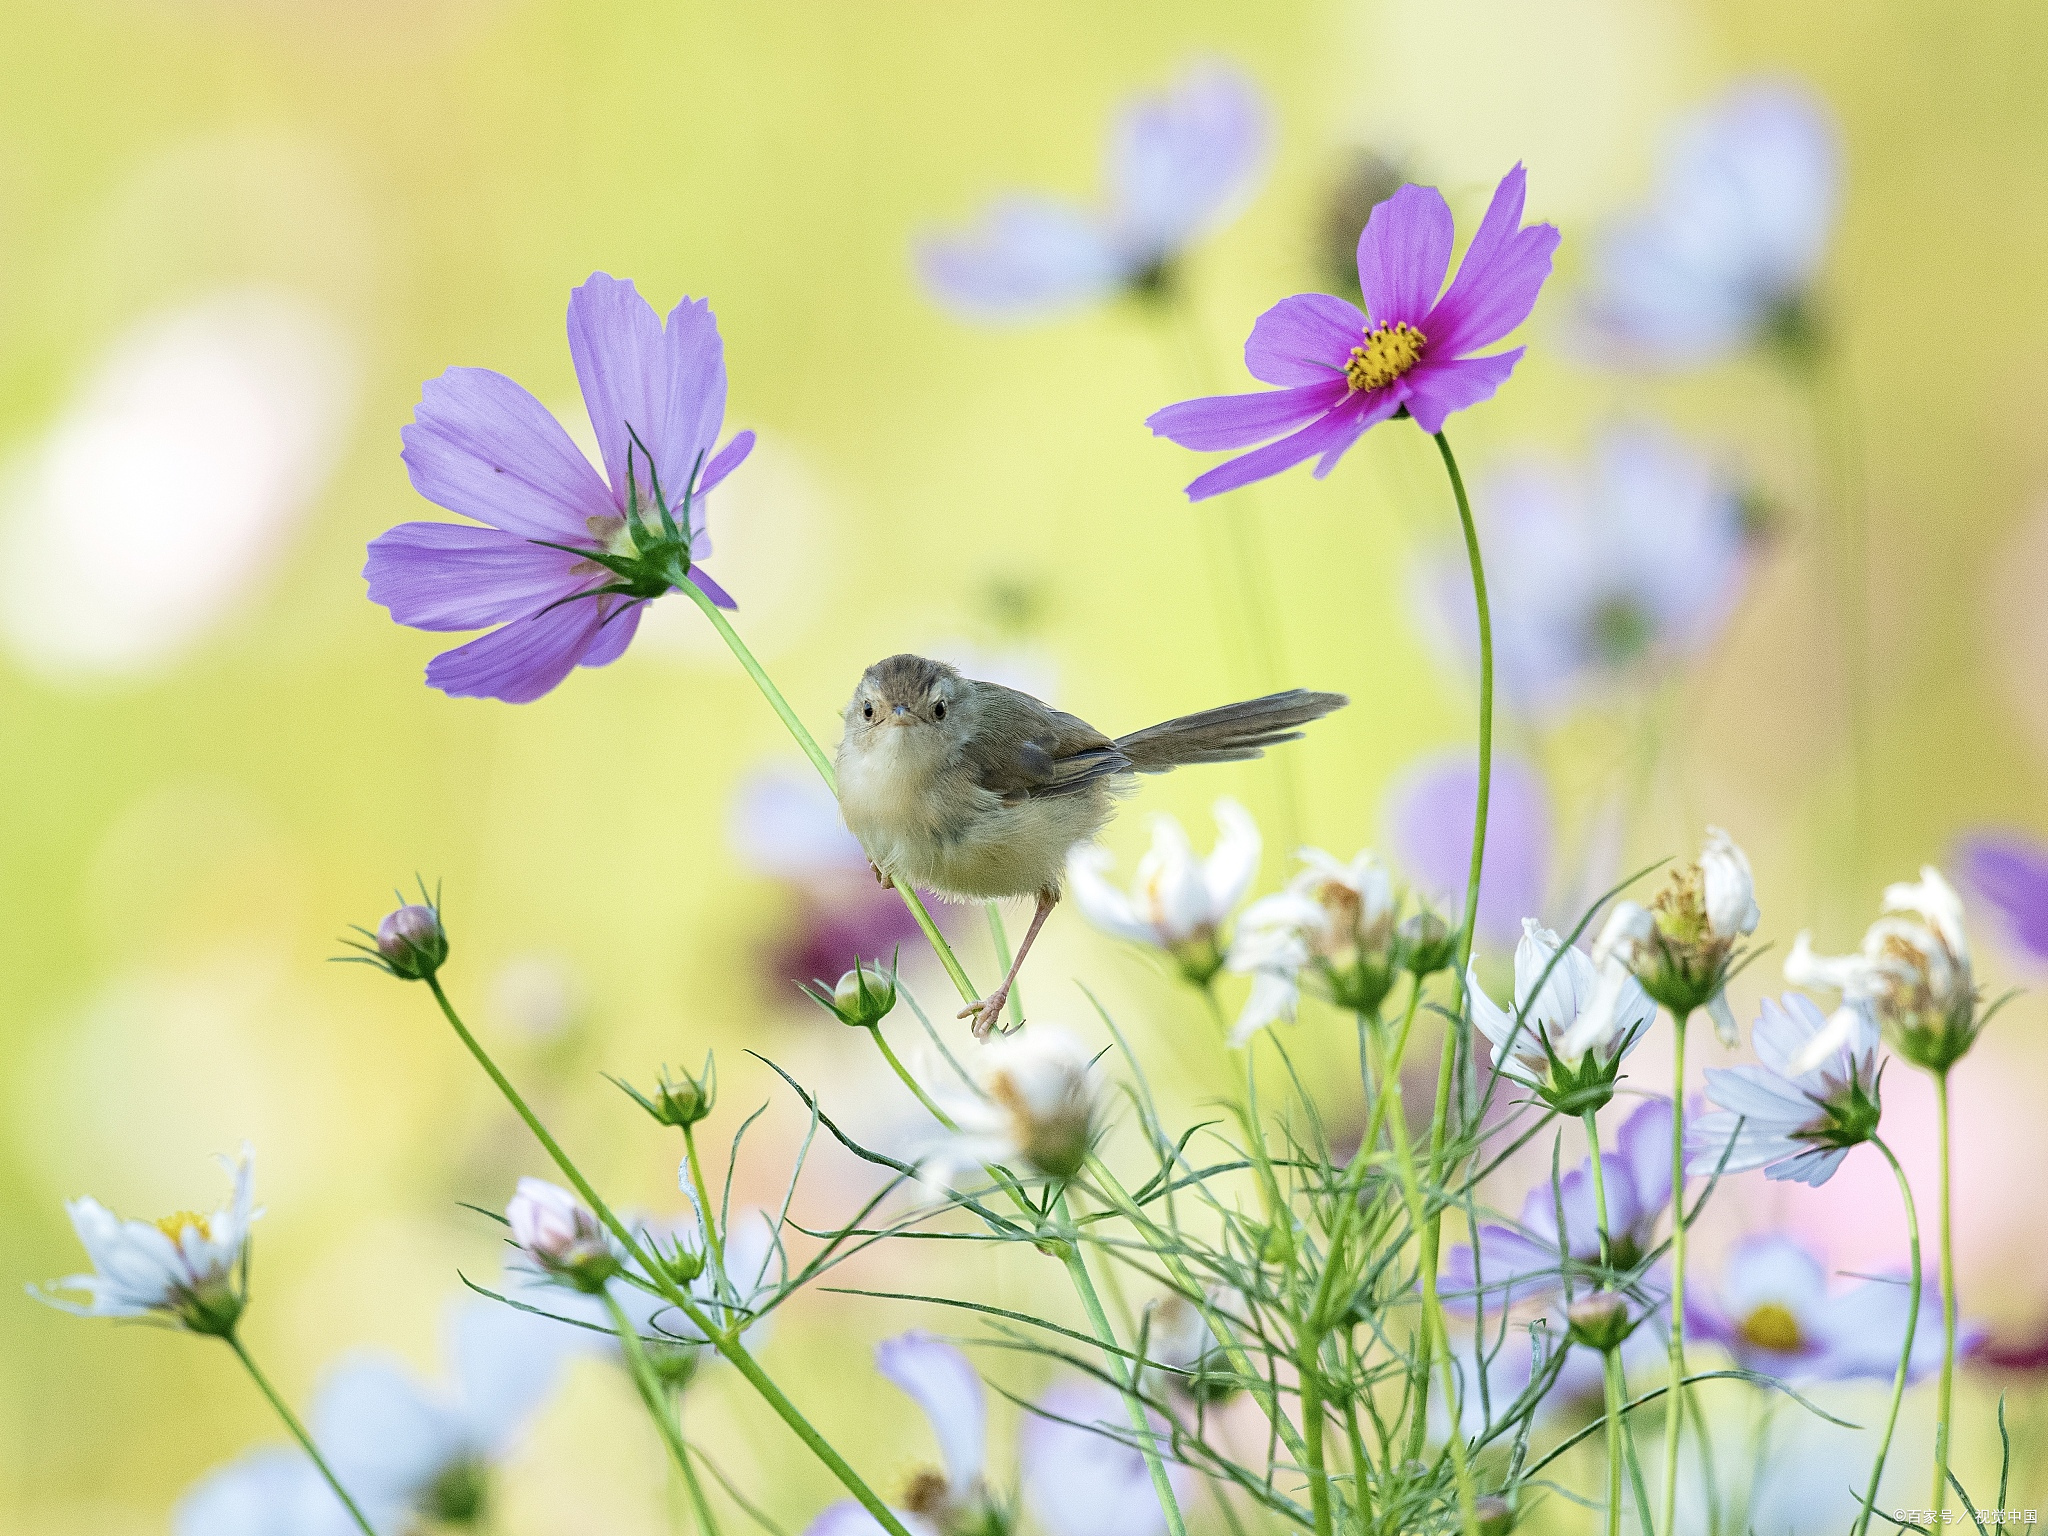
<point x="1341" y="371"/>
<point x="567" y="557"/>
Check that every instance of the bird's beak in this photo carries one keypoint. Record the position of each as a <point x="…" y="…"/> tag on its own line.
<point x="902" y="715"/>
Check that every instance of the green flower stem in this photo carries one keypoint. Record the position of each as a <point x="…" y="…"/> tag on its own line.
<point x="1891" y="1421"/>
<point x="642" y="1372"/>
<point x="291" y="1422"/>
<point x="1610" y="1378"/>
<point x="1599" y="1191"/>
<point x="823" y="764"/>
<point x="1309" y="1368"/>
<point x="726" y="1342"/>
<point x="1148" y="1446"/>
<point x="909" y="1081"/>
<point x="1436" y="1341"/>
<point x="712" y="1239"/>
<point x="1674" y="1420"/>
<point x="707" y="1522"/>
<point x="1439" y="1124"/>
<point x="1944" y="1400"/>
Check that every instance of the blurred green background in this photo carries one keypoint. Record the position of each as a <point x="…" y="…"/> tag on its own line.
<point x="202" y="789"/>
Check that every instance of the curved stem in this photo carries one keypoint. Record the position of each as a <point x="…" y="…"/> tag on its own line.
<point x="1148" y="1443"/>
<point x="1439" y="1123"/>
<point x="291" y="1422"/>
<point x="909" y="1081"/>
<point x="823" y="764"/>
<point x="1674" y="1419"/>
<point x="1945" y="1398"/>
<point x="641" y="1369"/>
<point x="724" y="1341"/>
<point x="706" y="1521"/>
<point x="713" y="1240"/>
<point x="1891" y="1421"/>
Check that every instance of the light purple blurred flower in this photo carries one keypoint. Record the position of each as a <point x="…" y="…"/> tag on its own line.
<point x="271" y="1492"/>
<point x="1525" y="1262"/>
<point x="1793" y="1125"/>
<point x="1082" y="1475"/>
<point x="1774" y="1313"/>
<point x="1602" y="576"/>
<point x="1727" y="249"/>
<point x="1429" y="813"/>
<point x="1341" y="371"/>
<point x="481" y="446"/>
<point x="2011" y="872"/>
<point x="938" y="1378"/>
<point x="1181" y="163"/>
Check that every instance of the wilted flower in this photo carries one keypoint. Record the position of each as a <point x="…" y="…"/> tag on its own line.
<point x="1912" y="975"/>
<point x="185" y="1267"/>
<point x="1180" y="164"/>
<point x="1342" y="371"/>
<point x="1083" y="1474"/>
<point x="567" y="560"/>
<point x="1601" y="578"/>
<point x="1793" y="1124"/>
<point x="1680" y="946"/>
<point x="561" y="1235"/>
<point x="1035" y="1101"/>
<point x="2011" y="872"/>
<point x="1774" y="1313"/>
<point x="1547" y="1041"/>
<point x="1177" y="902"/>
<point x="1530" y="1260"/>
<point x="1727" y="251"/>
<point x="399" y="1446"/>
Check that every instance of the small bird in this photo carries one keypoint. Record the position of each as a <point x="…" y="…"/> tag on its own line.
<point x="977" y="791"/>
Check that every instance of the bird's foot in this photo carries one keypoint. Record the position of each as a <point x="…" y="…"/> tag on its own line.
<point x="881" y="878"/>
<point x="987" y="1013"/>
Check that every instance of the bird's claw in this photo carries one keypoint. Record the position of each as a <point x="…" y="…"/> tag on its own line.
<point x="986" y="1014"/>
<point x="881" y="878"/>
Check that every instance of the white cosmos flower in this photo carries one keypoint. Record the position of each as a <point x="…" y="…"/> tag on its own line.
<point x="1035" y="1100"/>
<point x="1335" y="917"/>
<point x="1912" y="974"/>
<point x="271" y="1492"/>
<point x="1272" y="947"/>
<point x="169" y="486"/>
<point x="1557" y="1013"/>
<point x="1176" y="900"/>
<point x="397" y="1444"/>
<point x="183" y="1265"/>
<point x="1792" y="1122"/>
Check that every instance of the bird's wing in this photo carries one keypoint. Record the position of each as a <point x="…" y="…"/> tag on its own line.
<point x="1024" y="750"/>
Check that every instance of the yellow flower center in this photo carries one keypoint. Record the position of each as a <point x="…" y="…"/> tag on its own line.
<point x="1388" y="352"/>
<point x="1772" y="1327"/>
<point x="173" y="1226"/>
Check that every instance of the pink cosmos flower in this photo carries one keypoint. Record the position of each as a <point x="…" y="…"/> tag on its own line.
<point x="568" y="557"/>
<point x="1341" y="371"/>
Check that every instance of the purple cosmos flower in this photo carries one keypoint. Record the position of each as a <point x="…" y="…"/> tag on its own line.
<point x="1793" y="1125"/>
<point x="939" y="1379"/>
<point x="1430" y="813"/>
<point x="1728" y="248"/>
<point x="1774" y="1313"/>
<point x="1180" y="163"/>
<point x="1082" y="1474"/>
<point x="1341" y="371"/>
<point x="1596" y="579"/>
<point x="2011" y="872"/>
<point x="1526" y="1261"/>
<point x="567" y="558"/>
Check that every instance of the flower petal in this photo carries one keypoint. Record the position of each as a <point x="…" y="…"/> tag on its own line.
<point x="1028" y="257"/>
<point x="701" y="579"/>
<point x="480" y="445"/>
<point x="616" y="632"/>
<point x="1328" y="431"/>
<point x="1437" y="390"/>
<point x="725" y="461"/>
<point x="1237" y="421"/>
<point x="519" y="661"/>
<point x="1086" y="1481"/>
<point x="1233" y="863"/>
<point x="1306" y="339"/>
<point x="1403" y="253"/>
<point x="1497" y="283"/>
<point x="1180" y="160"/>
<point x="666" y="386"/>
<point x="939" y="1380"/>
<point x="454" y="576"/>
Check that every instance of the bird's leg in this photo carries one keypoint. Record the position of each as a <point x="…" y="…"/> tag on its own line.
<point x="989" y="1011"/>
<point x="881" y="877"/>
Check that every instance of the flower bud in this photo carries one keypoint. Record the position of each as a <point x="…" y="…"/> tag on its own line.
<point x="681" y="1104"/>
<point x="861" y="1000"/>
<point x="1496" y="1515"/>
<point x="412" y="942"/>
<point x="561" y="1235"/>
<point x="1425" y="943"/>
<point x="1600" y="1321"/>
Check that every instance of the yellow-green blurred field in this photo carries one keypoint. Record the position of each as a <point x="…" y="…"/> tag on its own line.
<point x="188" y="832"/>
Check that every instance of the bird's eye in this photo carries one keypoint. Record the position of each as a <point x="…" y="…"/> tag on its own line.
<point x="939" y="710"/>
<point x="867" y="711"/>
